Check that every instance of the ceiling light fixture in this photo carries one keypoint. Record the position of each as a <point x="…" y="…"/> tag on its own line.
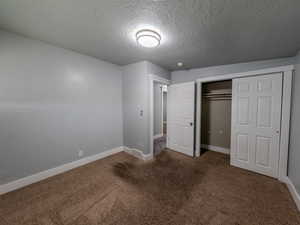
<point x="180" y="64"/>
<point x="148" y="38"/>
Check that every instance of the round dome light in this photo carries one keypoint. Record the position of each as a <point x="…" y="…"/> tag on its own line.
<point x="180" y="64"/>
<point x="148" y="38"/>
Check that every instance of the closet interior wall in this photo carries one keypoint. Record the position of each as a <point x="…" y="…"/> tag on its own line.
<point x="216" y="116"/>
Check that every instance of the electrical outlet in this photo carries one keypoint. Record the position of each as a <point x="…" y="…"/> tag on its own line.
<point x="80" y="153"/>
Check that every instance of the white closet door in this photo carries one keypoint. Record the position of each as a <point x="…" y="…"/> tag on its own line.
<point x="180" y="117"/>
<point x="256" y="113"/>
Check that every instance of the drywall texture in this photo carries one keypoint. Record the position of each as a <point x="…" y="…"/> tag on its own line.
<point x="54" y="102"/>
<point x="216" y="117"/>
<point x="294" y="150"/>
<point x="136" y="106"/>
<point x="197" y="32"/>
<point x="165" y="101"/>
<point x="136" y="97"/>
<point x="192" y="75"/>
<point x="157" y="109"/>
<point x="157" y="70"/>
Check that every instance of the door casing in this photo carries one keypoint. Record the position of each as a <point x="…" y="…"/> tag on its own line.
<point x="153" y="78"/>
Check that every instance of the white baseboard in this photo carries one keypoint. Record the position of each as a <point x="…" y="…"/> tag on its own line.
<point x="158" y="136"/>
<point x="292" y="190"/>
<point x="138" y="153"/>
<point x="216" y="149"/>
<point x="17" y="184"/>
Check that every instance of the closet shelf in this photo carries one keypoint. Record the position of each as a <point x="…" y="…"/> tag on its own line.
<point x="224" y="94"/>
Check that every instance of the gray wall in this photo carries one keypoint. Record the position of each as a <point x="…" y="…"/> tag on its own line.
<point x="136" y="98"/>
<point x="194" y="74"/>
<point x="157" y="70"/>
<point x="165" y="101"/>
<point x="294" y="150"/>
<point x="157" y="108"/>
<point x="54" y="102"/>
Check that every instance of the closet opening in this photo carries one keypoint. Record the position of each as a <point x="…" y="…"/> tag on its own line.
<point x="216" y="116"/>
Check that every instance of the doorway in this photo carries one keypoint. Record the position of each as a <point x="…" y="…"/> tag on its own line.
<point x="154" y="79"/>
<point x="216" y="116"/>
<point x="160" y="92"/>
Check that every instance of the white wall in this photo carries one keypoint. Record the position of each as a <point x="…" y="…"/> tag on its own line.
<point x="294" y="150"/>
<point x="54" y="102"/>
<point x="194" y="74"/>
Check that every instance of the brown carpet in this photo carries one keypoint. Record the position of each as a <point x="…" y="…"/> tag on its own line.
<point x="171" y="190"/>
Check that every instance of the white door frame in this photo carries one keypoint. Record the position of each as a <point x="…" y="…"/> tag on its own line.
<point x="153" y="78"/>
<point x="287" y="72"/>
<point x="162" y="111"/>
<point x="182" y="121"/>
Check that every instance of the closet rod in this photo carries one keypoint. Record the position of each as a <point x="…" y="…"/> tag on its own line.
<point x="217" y="98"/>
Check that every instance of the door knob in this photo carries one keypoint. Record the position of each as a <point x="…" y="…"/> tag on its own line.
<point x="191" y="124"/>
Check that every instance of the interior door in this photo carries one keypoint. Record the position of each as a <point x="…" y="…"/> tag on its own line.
<point x="256" y="113"/>
<point x="180" y="117"/>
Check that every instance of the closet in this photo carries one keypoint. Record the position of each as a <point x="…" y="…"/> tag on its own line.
<point x="216" y="116"/>
<point x="246" y="116"/>
<point x="241" y="117"/>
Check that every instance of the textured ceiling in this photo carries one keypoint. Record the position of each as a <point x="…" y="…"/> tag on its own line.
<point x="197" y="32"/>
